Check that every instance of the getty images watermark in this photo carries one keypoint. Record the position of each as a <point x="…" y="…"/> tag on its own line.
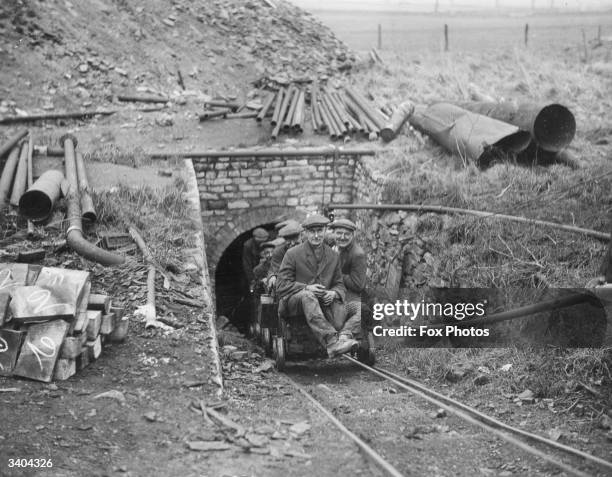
<point x="412" y="310"/>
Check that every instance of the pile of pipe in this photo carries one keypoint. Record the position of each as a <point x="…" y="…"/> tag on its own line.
<point x="35" y="200"/>
<point x="486" y="132"/>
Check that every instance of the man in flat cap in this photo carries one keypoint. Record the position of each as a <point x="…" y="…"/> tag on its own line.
<point x="260" y="272"/>
<point x="310" y="284"/>
<point x="353" y="265"/>
<point x="250" y="253"/>
<point x="291" y="233"/>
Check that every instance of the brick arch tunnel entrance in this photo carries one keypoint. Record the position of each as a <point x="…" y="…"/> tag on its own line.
<point x="231" y="287"/>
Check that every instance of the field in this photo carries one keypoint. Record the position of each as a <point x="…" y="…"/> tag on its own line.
<point x="410" y="32"/>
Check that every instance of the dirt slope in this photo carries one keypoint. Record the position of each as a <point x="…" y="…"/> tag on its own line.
<point x="62" y="54"/>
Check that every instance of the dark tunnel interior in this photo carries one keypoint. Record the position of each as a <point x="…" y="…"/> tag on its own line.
<point x="231" y="287"/>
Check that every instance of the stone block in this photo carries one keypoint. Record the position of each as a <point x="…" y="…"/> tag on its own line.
<point x="238" y="204"/>
<point x="292" y="201"/>
<point x="250" y="172"/>
<point x="216" y="204"/>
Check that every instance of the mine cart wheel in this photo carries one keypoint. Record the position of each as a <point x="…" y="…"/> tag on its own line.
<point x="251" y="330"/>
<point x="266" y="340"/>
<point x="279" y="353"/>
<point x="257" y="333"/>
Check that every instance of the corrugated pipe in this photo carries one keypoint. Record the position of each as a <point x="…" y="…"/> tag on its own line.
<point x="74" y="234"/>
<point x="37" y="203"/>
<point x="552" y="126"/>
<point x="6" y="179"/>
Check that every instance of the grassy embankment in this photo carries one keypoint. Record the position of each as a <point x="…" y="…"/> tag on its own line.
<point x="496" y="253"/>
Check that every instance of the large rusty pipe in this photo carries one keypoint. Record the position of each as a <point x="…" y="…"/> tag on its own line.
<point x="21" y="176"/>
<point x="88" y="211"/>
<point x="399" y="117"/>
<point x="266" y="106"/>
<point x="552" y="126"/>
<point x="6" y="179"/>
<point x="472" y="136"/>
<point x="270" y="153"/>
<point x="277" y="107"/>
<point x="11" y="142"/>
<point x="365" y="107"/>
<point x="74" y="234"/>
<point x="37" y="202"/>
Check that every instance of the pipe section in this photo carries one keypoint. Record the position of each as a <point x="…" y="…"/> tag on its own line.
<point x="399" y="117"/>
<point x="6" y="179"/>
<point x="37" y="203"/>
<point x="21" y="176"/>
<point x="88" y="211"/>
<point x="11" y="142"/>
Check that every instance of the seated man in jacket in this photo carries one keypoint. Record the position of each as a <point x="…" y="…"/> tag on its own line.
<point x="310" y="284"/>
<point x="260" y="272"/>
<point x="290" y="233"/>
<point x="353" y="266"/>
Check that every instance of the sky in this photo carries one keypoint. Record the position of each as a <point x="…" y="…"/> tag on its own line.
<point x="445" y="5"/>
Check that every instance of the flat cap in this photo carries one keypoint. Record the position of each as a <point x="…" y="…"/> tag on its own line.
<point x="315" y="220"/>
<point x="272" y="243"/>
<point x="292" y="228"/>
<point x="260" y="233"/>
<point x="343" y="223"/>
<point x="280" y="225"/>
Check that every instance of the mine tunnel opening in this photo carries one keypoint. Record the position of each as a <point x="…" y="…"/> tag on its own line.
<point x="231" y="287"/>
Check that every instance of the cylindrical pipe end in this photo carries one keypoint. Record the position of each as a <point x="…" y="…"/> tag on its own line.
<point x="554" y="127"/>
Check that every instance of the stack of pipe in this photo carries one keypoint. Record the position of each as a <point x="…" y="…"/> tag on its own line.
<point x="233" y="110"/>
<point x="15" y="171"/>
<point x="288" y="113"/>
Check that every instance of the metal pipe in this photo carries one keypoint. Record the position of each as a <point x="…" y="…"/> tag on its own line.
<point x="327" y="151"/>
<point x="291" y="111"/>
<point x="21" y="176"/>
<point x="10" y="143"/>
<point x="282" y="113"/>
<point x="552" y="126"/>
<point x="471" y="136"/>
<point x="354" y="124"/>
<point x="223" y="104"/>
<point x="135" y="98"/>
<point x="399" y="117"/>
<point x="243" y="115"/>
<point x="340" y="110"/>
<point x="74" y="234"/>
<point x="37" y="202"/>
<point x="298" y="115"/>
<point x="6" y="179"/>
<point x="327" y="118"/>
<point x="365" y="107"/>
<point x="88" y="211"/>
<point x="277" y="107"/>
<point x="30" y="177"/>
<point x="49" y="116"/>
<point x="210" y="114"/>
<point x="477" y="213"/>
<point x="266" y="106"/>
<point x="338" y="124"/>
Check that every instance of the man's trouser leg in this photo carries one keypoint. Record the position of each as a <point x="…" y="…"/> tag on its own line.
<point x="353" y="322"/>
<point x="306" y="303"/>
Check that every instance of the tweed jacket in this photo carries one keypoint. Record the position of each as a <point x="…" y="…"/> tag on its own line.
<point x="300" y="268"/>
<point x="353" y="266"/>
<point x="277" y="258"/>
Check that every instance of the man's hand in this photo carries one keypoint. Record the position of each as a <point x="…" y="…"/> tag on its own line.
<point x="317" y="289"/>
<point x="328" y="297"/>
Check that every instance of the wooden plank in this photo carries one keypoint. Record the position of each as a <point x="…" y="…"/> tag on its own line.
<point x="67" y="285"/>
<point x="34" y="304"/>
<point x="11" y="275"/>
<point x="79" y="324"/>
<point x="40" y="350"/>
<point x="108" y="324"/>
<point x="82" y="359"/>
<point x="99" y="302"/>
<point x="64" y="369"/>
<point x="94" y="321"/>
<point x="95" y="348"/>
<point x="10" y="344"/>
<point x="71" y="346"/>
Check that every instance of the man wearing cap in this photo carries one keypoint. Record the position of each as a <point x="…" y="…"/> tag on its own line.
<point x="260" y="272"/>
<point x="353" y="265"/>
<point x="291" y="234"/>
<point x="310" y="285"/>
<point x="250" y="253"/>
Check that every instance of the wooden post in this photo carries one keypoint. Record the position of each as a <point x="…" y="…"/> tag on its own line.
<point x="584" y="45"/>
<point x="526" y="34"/>
<point x="599" y="34"/>
<point x="379" y="36"/>
<point x="445" y="37"/>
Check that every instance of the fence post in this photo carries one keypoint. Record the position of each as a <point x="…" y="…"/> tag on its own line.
<point x="584" y="45"/>
<point x="445" y="37"/>
<point x="526" y="34"/>
<point x="379" y="36"/>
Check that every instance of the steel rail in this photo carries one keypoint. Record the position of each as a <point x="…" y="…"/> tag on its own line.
<point x="494" y="422"/>
<point x="472" y="420"/>
<point x="371" y="453"/>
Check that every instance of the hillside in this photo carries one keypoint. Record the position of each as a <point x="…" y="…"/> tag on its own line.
<point x="63" y="55"/>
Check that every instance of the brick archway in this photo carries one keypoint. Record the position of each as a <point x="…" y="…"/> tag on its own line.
<point x="239" y="224"/>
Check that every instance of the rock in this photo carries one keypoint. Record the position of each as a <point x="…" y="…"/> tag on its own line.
<point x="437" y="414"/>
<point x="526" y="396"/>
<point x="605" y="422"/>
<point x="164" y="120"/>
<point x="83" y="68"/>
<point x="457" y="372"/>
<point x="208" y="446"/>
<point x="121" y="71"/>
<point x="112" y="394"/>
<point x="506" y="367"/>
<point x="555" y="434"/>
<point x="299" y="428"/>
<point x="264" y="367"/>
<point x="150" y="416"/>
<point x="481" y="380"/>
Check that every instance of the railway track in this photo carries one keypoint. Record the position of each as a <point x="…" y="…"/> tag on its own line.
<point x="547" y="450"/>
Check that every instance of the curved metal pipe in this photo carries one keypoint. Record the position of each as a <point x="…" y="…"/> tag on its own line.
<point x="74" y="234"/>
<point x="6" y="179"/>
<point x="8" y="145"/>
